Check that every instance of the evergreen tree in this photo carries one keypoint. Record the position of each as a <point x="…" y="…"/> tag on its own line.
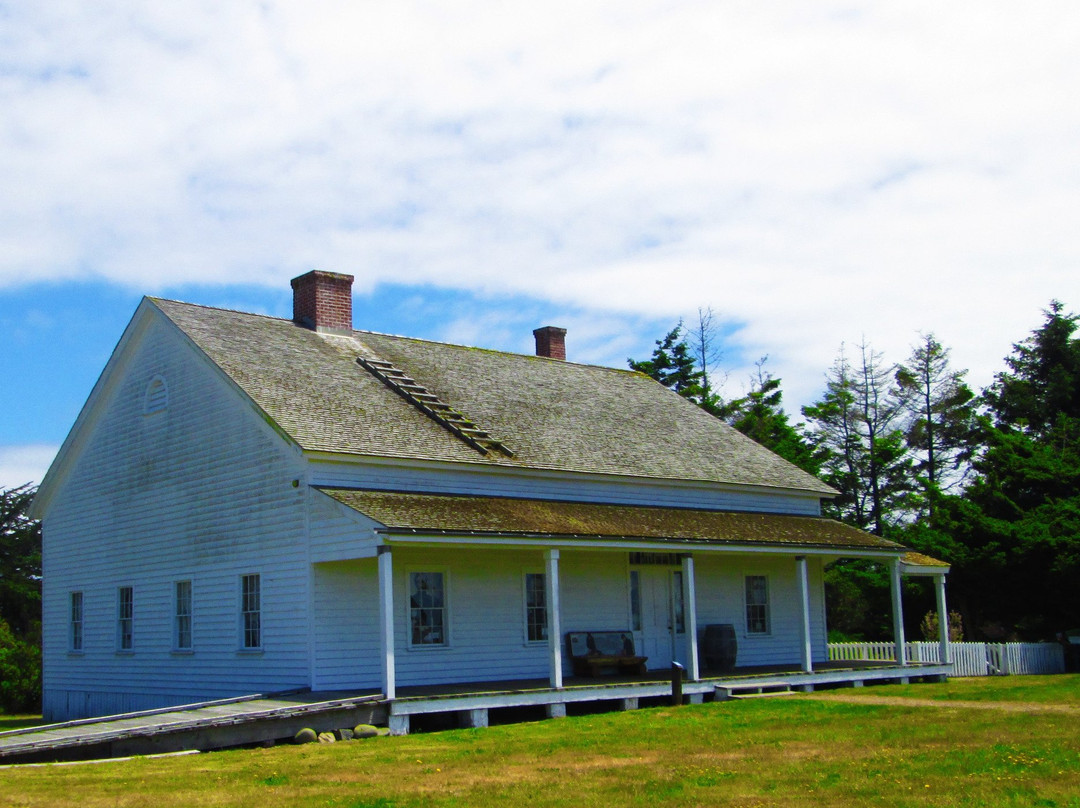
<point x="856" y="424"/>
<point x="760" y="415"/>
<point x="939" y="410"/>
<point x="20" y="562"/>
<point x="673" y="365"/>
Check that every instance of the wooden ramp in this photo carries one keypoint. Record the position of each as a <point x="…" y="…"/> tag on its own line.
<point x="247" y="720"/>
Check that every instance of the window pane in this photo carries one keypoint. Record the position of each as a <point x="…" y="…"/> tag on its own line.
<point x="757" y="604"/>
<point x="76" y="621"/>
<point x="183" y="615"/>
<point x="677" y="600"/>
<point x="427" y="608"/>
<point x="535" y="607"/>
<point x="125" y="619"/>
<point x="251" y="603"/>
<point x="635" y="600"/>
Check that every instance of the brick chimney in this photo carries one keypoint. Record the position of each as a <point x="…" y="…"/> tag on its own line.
<point x="322" y="301"/>
<point x="550" y="342"/>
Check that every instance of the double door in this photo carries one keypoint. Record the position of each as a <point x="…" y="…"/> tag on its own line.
<point x="657" y="616"/>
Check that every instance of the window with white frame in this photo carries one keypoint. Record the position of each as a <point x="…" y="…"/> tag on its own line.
<point x="535" y="607"/>
<point x="251" y="611"/>
<point x="125" y="618"/>
<point x="182" y="616"/>
<point x="428" y="623"/>
<point x="757" y="604"/>
<point x="75" y="638"/>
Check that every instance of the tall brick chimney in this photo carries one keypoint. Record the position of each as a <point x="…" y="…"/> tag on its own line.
<point x="322" y="301"/>
<point x="550" y="342"/>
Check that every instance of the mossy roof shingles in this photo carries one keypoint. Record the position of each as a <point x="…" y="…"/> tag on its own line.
<point x="435" y="513"/>
<point x="552" y="414"/>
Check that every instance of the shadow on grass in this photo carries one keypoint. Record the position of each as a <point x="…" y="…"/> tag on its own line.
<point x="9" y="722"/>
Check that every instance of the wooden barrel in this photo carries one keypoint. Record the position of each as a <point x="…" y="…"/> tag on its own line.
<point x="720" y="647"/>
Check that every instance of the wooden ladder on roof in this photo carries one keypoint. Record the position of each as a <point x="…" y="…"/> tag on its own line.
<point x="433" y="407"/>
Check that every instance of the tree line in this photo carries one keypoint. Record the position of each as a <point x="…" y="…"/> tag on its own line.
<point x="20" y="603"/>
<point x="988" y="481"/>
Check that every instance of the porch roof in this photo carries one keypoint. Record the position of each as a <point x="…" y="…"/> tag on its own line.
<point x="409" y="513"/>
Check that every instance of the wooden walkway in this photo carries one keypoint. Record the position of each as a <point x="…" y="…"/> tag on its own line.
<point x="210" y="725"/>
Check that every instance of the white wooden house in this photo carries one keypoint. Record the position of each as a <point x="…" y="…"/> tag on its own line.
<point x="249" y="504"/>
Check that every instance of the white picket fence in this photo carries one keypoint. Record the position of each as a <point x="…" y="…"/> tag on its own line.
<point x="969" y="658"/>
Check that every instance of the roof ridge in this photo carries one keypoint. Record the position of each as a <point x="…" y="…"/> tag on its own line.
<point x="360" y="331"/>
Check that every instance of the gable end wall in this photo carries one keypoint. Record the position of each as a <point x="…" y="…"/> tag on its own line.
<point x="201" y="492"/>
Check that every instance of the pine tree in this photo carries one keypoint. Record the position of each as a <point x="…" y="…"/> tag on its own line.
<point x="1019" y="519"/>
<point x="856" y="424"/>
<point x="939" y="410"/>
<point x="674" y="366"/>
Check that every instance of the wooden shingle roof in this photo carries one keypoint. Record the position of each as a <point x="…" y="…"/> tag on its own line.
<point x="433" y="514"/>
<point x="553" y="414"/>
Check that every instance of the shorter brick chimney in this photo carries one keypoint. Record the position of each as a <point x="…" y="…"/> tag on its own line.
<point x="550" y="342"/>
<point x="322" y="301"/>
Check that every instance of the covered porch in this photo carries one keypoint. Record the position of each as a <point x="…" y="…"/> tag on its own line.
<point x="477" y="596"/>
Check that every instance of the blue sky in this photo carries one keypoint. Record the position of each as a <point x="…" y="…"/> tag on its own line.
<point x="816" y="174"/>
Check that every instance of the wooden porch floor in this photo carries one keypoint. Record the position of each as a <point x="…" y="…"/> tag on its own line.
<point x="655" y="677"/>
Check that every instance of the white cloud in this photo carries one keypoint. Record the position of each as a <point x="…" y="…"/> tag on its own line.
<point x="24" y="464"/>
<point x="816" y="172"/>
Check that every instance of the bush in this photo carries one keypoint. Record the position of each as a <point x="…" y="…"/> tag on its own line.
<point x="20" y="673"/>
<point x="929" y="627"/>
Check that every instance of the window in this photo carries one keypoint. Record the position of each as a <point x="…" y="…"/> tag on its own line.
<point x="677" y="605"/>
<point x="125" y="618"/>
<point x="427" y="608"/>
<point x="156" y="398"/>
<point x="76" y="638"/>
<point x="251" y="611"/>
<point x="635" y="600"/>
<point x="182" y="619"/>
<point x="535" y="607"/>
<point x="757" y="604"/>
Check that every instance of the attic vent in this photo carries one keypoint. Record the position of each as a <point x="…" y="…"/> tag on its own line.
<point x="429" y="404"/>
<point x="156" y="398"/>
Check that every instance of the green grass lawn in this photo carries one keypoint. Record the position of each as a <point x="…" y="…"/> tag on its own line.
<point x="794" y="751"/>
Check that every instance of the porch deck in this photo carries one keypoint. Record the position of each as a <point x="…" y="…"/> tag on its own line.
<point x="472" y="701"/>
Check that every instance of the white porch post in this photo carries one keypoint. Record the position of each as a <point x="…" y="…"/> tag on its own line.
<point x="386" y="620"/>
<point x="554" y="621"/>
<point x="898" y="613"/>
<point x="805" y="645"/>
<point x="690" y="616"/>
<point x="943" y="620"/>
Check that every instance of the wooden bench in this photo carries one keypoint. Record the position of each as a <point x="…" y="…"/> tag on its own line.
<point x="592" y="651"/>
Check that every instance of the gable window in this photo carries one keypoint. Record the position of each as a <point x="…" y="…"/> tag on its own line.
<point x="182" y="616"/>
<point x="75" y="639"/>
<point x="251" y="611"/>
<point x="156" y="398"/>
<point x="535" y="607"/>
<point x="757" y="604"/>
<point x="125" y="618"/>
<point x="428" y="622"/>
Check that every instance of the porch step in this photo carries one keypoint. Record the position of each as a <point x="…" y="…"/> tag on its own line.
<point x="753" y="690"/>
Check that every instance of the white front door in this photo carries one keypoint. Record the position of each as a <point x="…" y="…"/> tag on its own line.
<point x="654" y="615"/>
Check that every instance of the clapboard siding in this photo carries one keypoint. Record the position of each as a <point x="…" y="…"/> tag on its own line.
<point x="338" y="533"/>
<point x="487" y="618"/>
<point x="347" y="649"/>
<point x="201" y="491"/>
<point x="721" y="599"/>
<point x="549" y="485"/>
